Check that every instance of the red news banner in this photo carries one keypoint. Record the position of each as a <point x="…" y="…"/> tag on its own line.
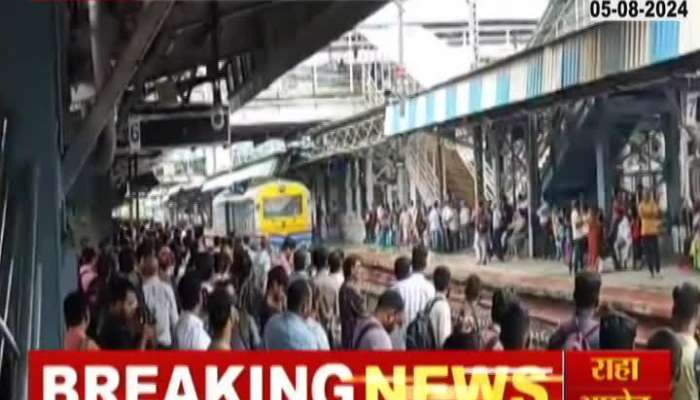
<point x="349" y="375"/>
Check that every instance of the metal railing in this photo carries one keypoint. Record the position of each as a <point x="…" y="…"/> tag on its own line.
<point x="418" y="167"/>
<point x="20" y="276"/>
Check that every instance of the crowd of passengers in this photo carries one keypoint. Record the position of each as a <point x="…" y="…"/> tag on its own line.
<point x="580" y="235"/>
<point x="159" y="288"/>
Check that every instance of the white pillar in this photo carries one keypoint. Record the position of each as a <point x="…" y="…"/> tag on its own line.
<point x="401" y="177"/>
<point x="358" y="191"/>
<point x="603" y="166"/>
<point x="369" y="179"/>
<point x="348" y="187"/>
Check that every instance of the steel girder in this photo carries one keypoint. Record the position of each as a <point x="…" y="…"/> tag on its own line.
<point x="357" y="135"/>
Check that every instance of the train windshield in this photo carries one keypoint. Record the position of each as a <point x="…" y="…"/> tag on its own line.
<point x="282" y="206"/>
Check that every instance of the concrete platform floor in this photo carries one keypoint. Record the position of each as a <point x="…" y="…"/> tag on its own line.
<point x="631" y="291"/>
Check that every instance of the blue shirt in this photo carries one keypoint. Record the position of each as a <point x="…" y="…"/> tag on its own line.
<point x="288" y="331"/>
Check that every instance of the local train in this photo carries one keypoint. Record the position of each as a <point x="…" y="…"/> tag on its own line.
<point x="275" y="209"/>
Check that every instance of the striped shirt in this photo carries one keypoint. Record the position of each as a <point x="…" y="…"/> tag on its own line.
<point x="416" y="291"/>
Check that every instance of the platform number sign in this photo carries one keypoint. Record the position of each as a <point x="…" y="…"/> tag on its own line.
<point x="134" y="136"/>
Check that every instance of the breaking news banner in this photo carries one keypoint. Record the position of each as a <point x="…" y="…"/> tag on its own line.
<point x="350" y="375"/>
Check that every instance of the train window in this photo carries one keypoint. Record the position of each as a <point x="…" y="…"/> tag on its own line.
<point x="282" y="206"/>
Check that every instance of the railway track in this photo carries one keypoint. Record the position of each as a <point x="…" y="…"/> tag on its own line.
<point x="546" y="313"/>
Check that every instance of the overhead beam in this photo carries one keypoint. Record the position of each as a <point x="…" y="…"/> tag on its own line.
<point x="150" y="21"/>
<point x="338" y="17"/>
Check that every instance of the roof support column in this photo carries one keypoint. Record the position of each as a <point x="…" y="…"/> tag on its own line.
<point x="533" y="184"/>
<point x="496" y="142"/>
<point x="369" y="180"/>
<point x="672" y="166"/>
<point x="358" y="188"/>
<point x="479" y="163"/>
<point x="603" y="167"/>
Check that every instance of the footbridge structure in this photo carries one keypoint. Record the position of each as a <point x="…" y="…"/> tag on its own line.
<point x="610" y="105"/>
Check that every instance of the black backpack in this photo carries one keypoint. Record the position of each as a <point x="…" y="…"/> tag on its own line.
<point x="419" y="333"/>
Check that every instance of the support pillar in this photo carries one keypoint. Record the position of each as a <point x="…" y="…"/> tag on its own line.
<point x="672" y="166"/>
<point x="347" y="196"/>
<point x="358" y="189"/>
<point x="369" y="180"/>
<point x="479" y="164"/>
<point x="603" y="167"/>
<point x="496" y="140"/>
<point x="533" y="184"/>
<point x="401" y="178"/>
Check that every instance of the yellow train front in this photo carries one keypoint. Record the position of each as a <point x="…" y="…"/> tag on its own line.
<point x="275" y="209"/>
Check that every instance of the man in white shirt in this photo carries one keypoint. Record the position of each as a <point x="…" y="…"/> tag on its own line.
<point x="435" y="227"/>
<point x="448" y="217"/>
<point x="465" y="217"/>
<point x="416" y="291"/>
<point x="623" y="241"/>
<point x="578" y="235"/>
<point x="160" y="301"/>
<point x="189" y="331"/>
<point x="440" y="315"/>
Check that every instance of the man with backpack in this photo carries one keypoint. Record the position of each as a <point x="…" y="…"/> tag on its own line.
<point x="416" y="291"/>
<point x="582" y="332"/>
<point x="686" y="304"/>
<point x="439" y="308"/>
<point x="372" y="332"/>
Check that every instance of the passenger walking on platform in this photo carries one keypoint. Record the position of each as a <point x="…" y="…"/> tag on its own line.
<point x="417" y="290"/>
<point x="665" y="339"/>
<point x="335" y="264"/>
<point x="160" y="300"/>
<point x="465" y="217"/>
<point x="372" y="332"/>
<point x="275" y="300"/>
<point x="446" y="217"/>
<point x="384" y="226"/>
<point x="326" y="298"/>
<point x="617" y="330"/>
<point x="582" y="331"/>
<point x="470" y="315"/>
<point x="651" y="219"/>
<point x="636" y="229"/>
<point x="370" y="225"/>
<point x="262" y="262"/>
<point x="435" y="227"/>
<point x="515" y="328"/>
<point x="579" y="234"/>
<point x="623" y="240"/>
<point x="440" y="314"/>
<point x="300" y="266"/>
<point x="481" y="222"/>
<point x="350" y="299"/>
<point x="501" y="300"/>
<point x="123" y="327"/>
<point x="77" y="316"/>
<point x="686" y="304"/>
<point x="421" y="224"/>
<point x="289" y="330"/>
<point x="286" y="256"/>
<point x="402" y="271"/>
<point x="221" y="323"/>
<point x="189" y="331"/>
<point x="406" y="227"/>
<point x="595" y="238"/>
<point x="497" y="229"/>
